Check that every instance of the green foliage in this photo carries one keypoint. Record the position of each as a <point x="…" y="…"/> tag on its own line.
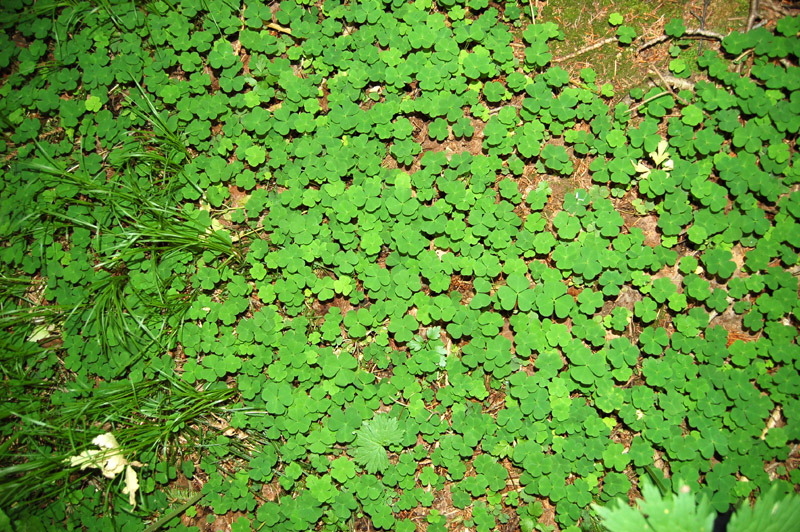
<point x="372" y="439"/>
<point x="685" y="510"/>
<point x="672" y="512"/>
<point x="337" y="252"/>
<point x="626" y="34"/>
<point x="771" y="512"/>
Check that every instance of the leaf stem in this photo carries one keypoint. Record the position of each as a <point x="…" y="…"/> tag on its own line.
<point x="657" y="479"/>
<point x="646" y="101"/>
<point x="175" y="512"/>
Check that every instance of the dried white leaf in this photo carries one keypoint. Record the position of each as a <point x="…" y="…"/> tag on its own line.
<point x="40" y="332"/>
<point x="131" y="485"/>
<point x="106" y="441"/>
<point x="110" y="461"/>
<point x="114" y="464"/>
<point x="108" y="458"/>
<point x="660" y="155"/>
<point x="85" y="459"/>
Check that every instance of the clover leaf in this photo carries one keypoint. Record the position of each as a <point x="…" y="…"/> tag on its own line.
<point x="256" y="155"/>
<point x="438" y="130"/>
<point x="507" y="294"/>
<point x="272" y="195"/>
<point x="718" y="262"/>
<point x="494" y="91"/>
<point x="556" y="159"/>
<point x="567" y="225"/>
<point x="626" y="34"/>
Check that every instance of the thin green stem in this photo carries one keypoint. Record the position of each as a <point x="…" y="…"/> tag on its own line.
<point x="194" y="499"/>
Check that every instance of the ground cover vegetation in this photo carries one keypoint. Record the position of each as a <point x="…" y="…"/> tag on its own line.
<point x="394" y="266"/>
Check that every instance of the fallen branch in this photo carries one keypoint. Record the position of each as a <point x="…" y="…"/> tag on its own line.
<point x="689" y="33"/>
<point x="701" y="33"/>
<point x="750" y="25"/>
<point x="702" y="19"/>
<point x="667" y="81"/>
<point x="589" y="48"/>
<point x="751" y="19"/>
<point x="682" y="84"/>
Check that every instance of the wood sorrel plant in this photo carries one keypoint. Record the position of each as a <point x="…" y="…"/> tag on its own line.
<point x="318" y="264"/>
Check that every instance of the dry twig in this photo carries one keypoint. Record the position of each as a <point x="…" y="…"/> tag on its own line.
<point x="585" y="49"/>
<point x="772" y="422"/>
<point x="751" y="19"/>
<point x="281" y="29"/>
<point x="706" y="34"/>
